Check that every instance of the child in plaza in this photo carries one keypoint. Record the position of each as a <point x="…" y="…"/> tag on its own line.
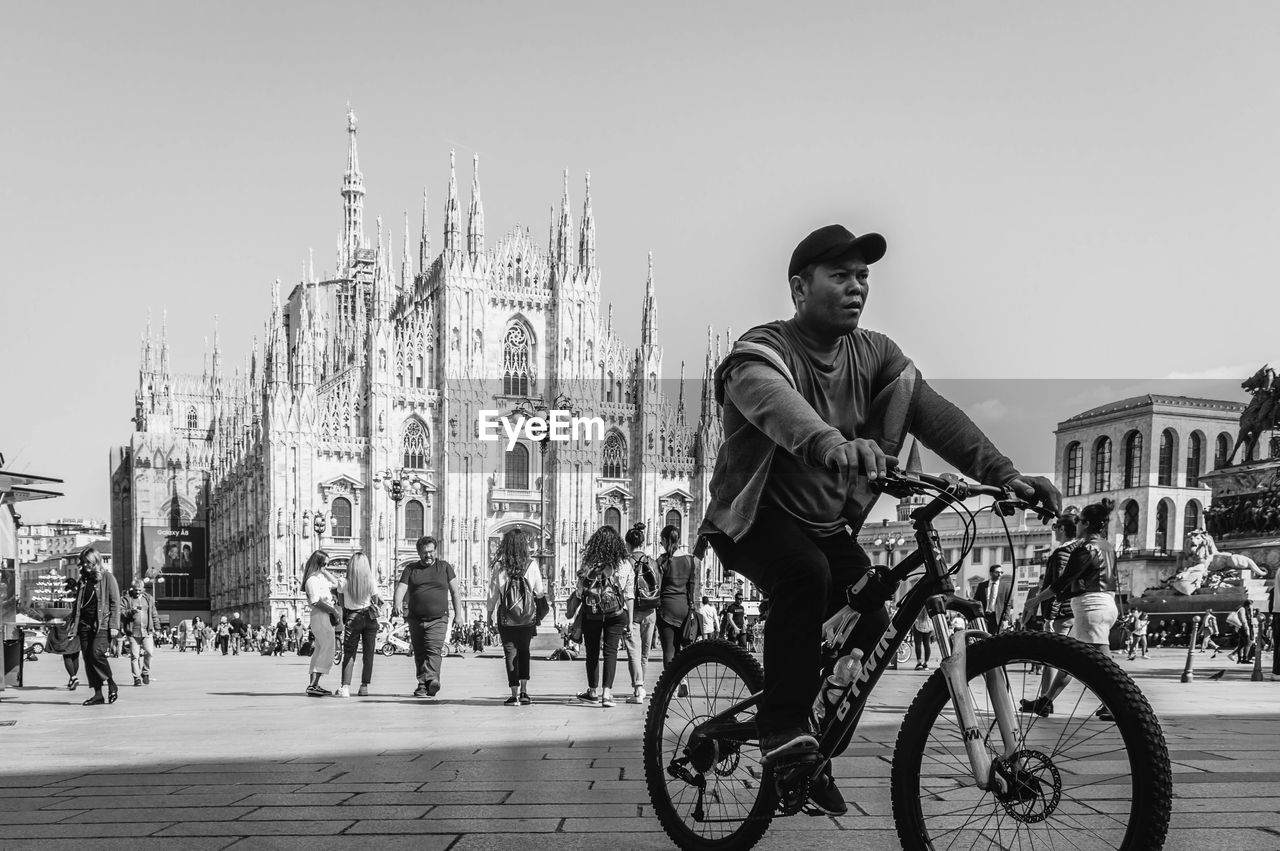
<point x="516" y="597"/>
<point x="605" y="592"/>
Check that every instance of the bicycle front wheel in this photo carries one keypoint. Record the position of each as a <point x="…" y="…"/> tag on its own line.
<point x="1075" y="780"/>
<point x="709" y="791"/>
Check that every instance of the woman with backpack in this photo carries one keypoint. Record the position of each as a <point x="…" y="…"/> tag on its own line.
<point x="514" y="593"/>
<point x="639" y="637"/>
<point x="681" y="586"/>
<point x="605" y="595"/>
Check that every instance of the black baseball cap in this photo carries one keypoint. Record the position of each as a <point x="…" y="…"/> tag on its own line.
<point x="833" y="242"/>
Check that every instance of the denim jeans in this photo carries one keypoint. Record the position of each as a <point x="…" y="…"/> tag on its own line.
<point x="638" y="640"/>
<point x="515" y="650"/>
<point x="359" y="627"/>
<point x="602" y="634"/>
<point x="140" y="653"/>
<point x="427" y="637"/>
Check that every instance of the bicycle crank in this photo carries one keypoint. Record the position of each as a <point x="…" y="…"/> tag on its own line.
<point x="1032" y="783"/>
<point x="791" y="782"/>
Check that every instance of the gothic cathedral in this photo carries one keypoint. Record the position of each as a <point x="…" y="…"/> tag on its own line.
<point x="378" y="375"/>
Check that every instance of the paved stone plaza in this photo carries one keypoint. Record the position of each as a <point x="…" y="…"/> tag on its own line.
<point x="227" y="752"/>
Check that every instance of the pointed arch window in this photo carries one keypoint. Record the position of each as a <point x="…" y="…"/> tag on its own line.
<point x="517" y="467"/>
<point x="1102" y="464"/>
<point x="415" y="445"/>
<point x="413" y="520"/>
<point x="1133" y="460"/>
<point x="193" y="419"/>
<point x="1195" y="453"/>
<point x="615" y="454"/>
<point x="342" y="517"/>
<point x="1075" y="469"/>
<point x="517" y="361"/>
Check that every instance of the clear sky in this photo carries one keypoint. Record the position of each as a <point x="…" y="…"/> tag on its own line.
<point x="1068" y="190"/>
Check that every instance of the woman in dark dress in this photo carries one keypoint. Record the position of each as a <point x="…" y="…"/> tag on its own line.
<point x="681" y="587"/>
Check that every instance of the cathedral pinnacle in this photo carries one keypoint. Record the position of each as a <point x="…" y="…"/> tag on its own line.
<point x="565" y="230"/>
<point x="475" y="216"/>
<point x="452" y="227"/>
<point x="217" y="349"/>
<point x="352" y="195"/>
<point x="406" y="258"/>
<point x="648" y="322"/>
<point x="587" y="238"/>
<point x="164" y="342"/>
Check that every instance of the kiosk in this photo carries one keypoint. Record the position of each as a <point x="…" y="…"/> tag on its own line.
<point x="14" y="488"/>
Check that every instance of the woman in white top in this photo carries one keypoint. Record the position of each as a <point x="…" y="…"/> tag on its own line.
<point x="360" y="623"/>
<point x="514" y="592"/>
<point x="319" y="585"/>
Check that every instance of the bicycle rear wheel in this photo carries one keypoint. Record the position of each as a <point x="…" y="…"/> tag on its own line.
<point x="710" y="793"/>
<point x="1083" y="783"/>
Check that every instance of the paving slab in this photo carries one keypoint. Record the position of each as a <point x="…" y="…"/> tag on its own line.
<point x="228" y="752"/>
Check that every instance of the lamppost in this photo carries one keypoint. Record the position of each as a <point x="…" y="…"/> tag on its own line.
<point x="529" y="408"/>
<point x="396" y="483"/>
<point x="889" y="543"/>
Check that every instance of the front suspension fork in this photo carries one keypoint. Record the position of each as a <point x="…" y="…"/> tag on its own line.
<point x="954" y="649"/>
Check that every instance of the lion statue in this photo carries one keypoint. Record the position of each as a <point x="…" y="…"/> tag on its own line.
<point x="1206" y="567"/>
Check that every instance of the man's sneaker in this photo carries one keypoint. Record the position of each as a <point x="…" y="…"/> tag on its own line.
<point x="137" y="681"/>
<point x="146" y="678"/>
<point x="588" y="697"/>
<point x="364" y="691"/>
<point x="1104" y="714"/>
<point x="433" y="688"/>
<point x="793" y="741"/>
<point x="1041" y="706"/>
<point x="421" y="690"/>
<point x="638" y="696"/>
<point x="824" y="795"/>
<point x="682" y="690"/>
<point x="343" y="691"/>
<point x="316" y="691"/>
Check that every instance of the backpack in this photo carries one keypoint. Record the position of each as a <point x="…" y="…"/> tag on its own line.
<point x="648" y="584"/>
<point x="601" y="594"/>
<point x="517" y="607"/>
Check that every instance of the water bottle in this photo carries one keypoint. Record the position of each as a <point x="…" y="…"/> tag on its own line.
<point x="847" y="668"/>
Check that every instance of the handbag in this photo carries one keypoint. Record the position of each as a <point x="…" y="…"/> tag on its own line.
<point x="575" y="628"/>
<point x="541" y="609"/>
<point x="691" y="628"/>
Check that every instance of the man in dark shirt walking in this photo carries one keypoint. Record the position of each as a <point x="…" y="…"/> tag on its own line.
<point x="737" y="614"/>
<point x="431" y="585"/>
<point x="814" y="409"/>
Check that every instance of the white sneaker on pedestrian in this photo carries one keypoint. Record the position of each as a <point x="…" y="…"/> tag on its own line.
<point x="638" y="696"/>
<point x="343" y="691"/>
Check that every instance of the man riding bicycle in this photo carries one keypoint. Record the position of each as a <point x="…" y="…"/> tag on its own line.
<point x="814" y="409"/>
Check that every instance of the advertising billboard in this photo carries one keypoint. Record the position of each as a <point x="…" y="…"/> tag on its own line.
<point x="176" y="556"/>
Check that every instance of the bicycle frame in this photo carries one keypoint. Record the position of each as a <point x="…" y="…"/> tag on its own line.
<point x="933" y="592"/>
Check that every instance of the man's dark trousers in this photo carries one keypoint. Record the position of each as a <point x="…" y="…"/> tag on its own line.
<point x="427" y="637"/>
<point x="805" y="578"/>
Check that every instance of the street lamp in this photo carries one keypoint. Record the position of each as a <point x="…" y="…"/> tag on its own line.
<point x="890" y="543"/>
<point x="396" y="483"/>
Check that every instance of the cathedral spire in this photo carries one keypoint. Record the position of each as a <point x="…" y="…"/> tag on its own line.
<point x="587" y="238"/>
<point x="352" y="195"/>
<point x="424" y="239"/>
<point x="164" y="342"/>
<point x="452" y="227"/>
<point x="475" y="215"/>
<point x="648" y="322"/>
<point x="406" y="258"/>
<point x="564" y="233"/>
<point x="681" y="409"/>
<point x="217" y="349"/>
<point x="608" y="328"/>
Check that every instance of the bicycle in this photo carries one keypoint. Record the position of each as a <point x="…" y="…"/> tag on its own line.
<point x="993" y="772"/>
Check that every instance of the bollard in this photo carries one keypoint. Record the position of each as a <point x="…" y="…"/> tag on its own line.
<point x="1257" y="652"/>
<point x="1188" y="674"/>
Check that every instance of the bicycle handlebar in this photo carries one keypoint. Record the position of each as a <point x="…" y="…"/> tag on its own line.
<point x="898" y="483"/>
